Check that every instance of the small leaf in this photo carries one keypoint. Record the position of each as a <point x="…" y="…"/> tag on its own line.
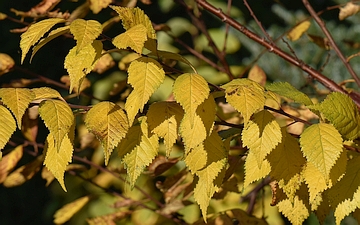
<point x="97" y="5"/>
<point x="145" y="76"/>
<point x="321" y="145"/>
<point x="7" y="128"/>
<point x="348" y="10"/>
<point x="34" y="33"/>
<point x="287" y="90"/>
<point x="67" y="211"/>
<point x="296" y="211"/>
<point x="9" y="161"/>
<point x="85" y="32"/>
<point x="257" y="74"/>
<point x="134" y="38"/>
<point x="17" y="100"/>
<point x="109" y="123"/>
<point x="58" y="118"/>
<point x="298" y="30"/>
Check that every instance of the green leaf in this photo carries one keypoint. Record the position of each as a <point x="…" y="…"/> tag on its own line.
<point x="7" y="128"/>
<point x="109" y="123"/>
<point x="85" y="32"/>
<point x="67" y="211"/>
<point x="342" y="112"/>
<point x="34" y="33"/>
<point x="321" y="145"/>
<point x="134" y="38"/>
<point x="287" y="90"/>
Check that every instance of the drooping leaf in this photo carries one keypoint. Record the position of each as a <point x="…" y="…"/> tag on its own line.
<point x="85" y="32"/>
<point x="245" y="95"/>
<point x="17" y="100"/>
<point x="7" y="128"/>
<point x="296" y="211"/>
<point x="342" y="112"/>
<point x="142" y="155"/>
<point x="134" y="38"/>
<point x="67" y="211"/>
<point x="321" y="145"/>
<point x="145" y="76"/>
<point x="130" y="141"/>
<point x="207" y="113"/>
<point x="34" y="33"/>
<point x="58" y="118"/>
<point x="287" y="90"/>
<point x="109" y="123"/>
<point x="261" y="135"/>
<point x="298" y="30"/>
<point x="253" y="171"/>
<point x="194" y="134"/>
<point x="45" y="93"/>
<point x="348" y="10"/>
<point x="164" y="119"/>
<point x="196" y="158"/>
<point x="346" y="207"/>
<point x="190" y="90"/>
<point x="9" y="161"/>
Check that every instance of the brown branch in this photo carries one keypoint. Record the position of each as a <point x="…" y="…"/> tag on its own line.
<point x="331" y="41"/>
<point x="328" y="83"/>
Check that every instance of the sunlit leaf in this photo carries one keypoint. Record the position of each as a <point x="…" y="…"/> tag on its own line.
<point x="297" y="31"/>
<point x="46" y="93"/>
<point x="348" y="10"/>
<point x="7" y="128"/>
<point x="257" y="74"/>
<point x="130" y="141"/>
<point x="287" y="90"/>
<point x="192" y="134"/>
<point x="134" y="38"/>
<point x="9" y="161"/>
<point x="295" y="211"/>
<point x="196" y="159"/>
<point x="97" y="5"/>
<point x="207" y="113"/>
<point x="85" y="32"/>
<point x="254" y="171"/>
<point x="67" y="211"/>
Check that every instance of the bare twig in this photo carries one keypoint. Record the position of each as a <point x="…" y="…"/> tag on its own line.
<point x="227" y="27"/>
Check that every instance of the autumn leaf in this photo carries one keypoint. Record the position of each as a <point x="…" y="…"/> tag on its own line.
<point x="67" y="211"/>
<point x="97" y="5"/>
<point x="46" y="93"/>
<point x="85" y="32"/>
<point x="9" y="161"/>
<point x="254" y="171"/>
<point x="298" y="30"/>
<point x="287" y="90"/>
<point x="134" y="38"/>
<point x="296" y="211"/>
<point x="348" y="10"/>
<point x="192" y="134"/>
<point x="7" y="128"/>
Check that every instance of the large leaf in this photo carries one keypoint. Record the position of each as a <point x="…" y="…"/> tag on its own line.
<point x="245" y="95"/>
<point x="17" y="100"/>
<point x="342" y="112"/>
<point x="287" y="90"/>
<point x="85" y="32"/>
<point x="58" y="118"/>
<point x="67" y="211"/>
<point x="7" y="127"/>
<point x="145" y="76"/>
<point x="190" y="90"/>
<point x="134" y="38"/>
<point x="109" y="123"/>
<point x="34" y="33"/>
<point x="321" y="145"/>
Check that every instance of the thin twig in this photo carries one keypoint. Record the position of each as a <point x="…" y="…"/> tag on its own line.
<point x="227" y="27"/>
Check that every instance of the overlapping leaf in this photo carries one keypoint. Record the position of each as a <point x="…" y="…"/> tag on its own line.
<point x="58" y="118"/>
<point x="7" y="128"/>
<point x="45" y="93"/>
<point x="97" y="5"/>
<point x="245" y="95"/>
<point x="192" y="134"/>
<point x="109" y="123"/>
<point x="134" y="38"/>
<point x="34" y="33"/>
<point x="254" y="171"/>
<point x="207" y="112"/>
<point x="287" y="90"/>
<point x="85" y="32"/>
<point x="196" y="158"/>
<point x="17" y="100"/>
<point x="145" y="76"/>
<point x="67" y="211"/>
<point x="8" y="162"/>
<point x="296" y="211"/>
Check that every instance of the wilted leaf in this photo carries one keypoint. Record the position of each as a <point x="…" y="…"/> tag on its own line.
<point x="297" y="31"/>
<point x="348" y="10"/>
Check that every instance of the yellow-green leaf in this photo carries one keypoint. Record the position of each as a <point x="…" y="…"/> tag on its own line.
<point x="7" y="127"/>
<point x="67" y="211"/>
<point x="297" y="31"/>
<point x="253" y="171"/>
<point x="296" y="211"/>
<point x="164" y="120"/>
<point x="56" y="160"/>
<point x="342" y="112"/>
<point x="196" y="159"/>
<point x="142" y="155"/>
<point x="17" y="100"/>
<point x="130" y="141"/>
<point x="109" y="123"/>
<point x="321" y="145"/>
<point x="287" y="90"/>
<point x="134" y="38"/>
<point x="190" y="90"/>
<point x="45" y="93"/>
<point x="145" y="76"/>
<point x="34" y="33"/>
<point x="9" y="161"/>
<point x="58" y="118"/>
<point x="85" y="32"/>
<point x="245" y="95"/>
<point x="261" y="135"/>
<point x="207" y="113"/>
<point x="192" y="134"/>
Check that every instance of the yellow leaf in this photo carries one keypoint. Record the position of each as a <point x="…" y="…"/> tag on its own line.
<point x="130" y="141"/>
<point x="254" y="171"/>
<point x="24" y="173"/>
<point x="58" y="118"/>
<point x="349" y="10"/>
<point x="134" y="38"/>
<point x="109" y="123"/>
<point x="56" y="160"/>
<point x="145" y="76"/>
<point x="287" y="90"/>
<point x="297" y="31"/>
<point x="97" y="5"/>
<point x="46" y="93"/>
<point x="34" y="33"/>
<point x="342" y="112"/>
<point x="7" y="128"/>
<point x="78" y="64"/>
<point x="190" y="90"/>
<point x="9" y="161"/>
<point x="207" y="113"/>
<point x="261" y="135"/>
<point x="196" y="159"/>
<point x="85" y="32"/>
<point x="17" y="100"/>
<point x="67" y="211"/>
<point x="257" y="74"/>
<point x="321" y="145"/>
<point x="295" y="211"/>
<point x="246" y="96"/>
<point x="6" y="63"/>
<point x="142" y="155"/>
<point x="133" y="16"/>
<point x="346" y="207"/>
<point x="194" y="134"/>
<point x="164" y="119"/>
<point x="292" y="186"/>
<point x="52" y="35"/>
